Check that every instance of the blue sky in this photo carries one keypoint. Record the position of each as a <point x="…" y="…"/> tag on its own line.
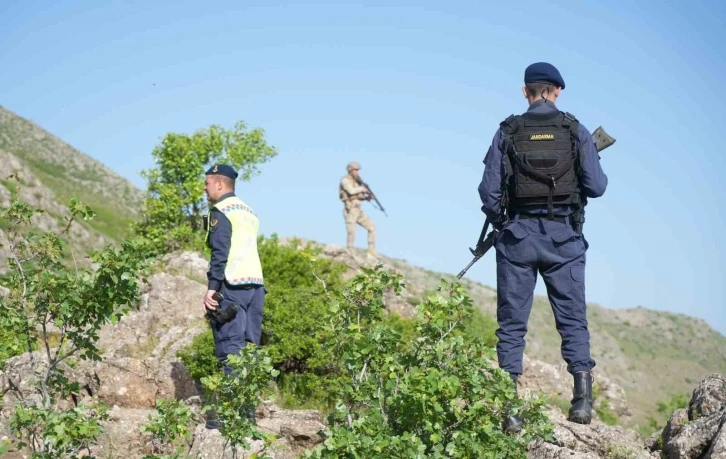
<point x="414" y="91"/>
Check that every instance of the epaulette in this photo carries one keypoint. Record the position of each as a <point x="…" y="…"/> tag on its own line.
<point x="510" y="124"/>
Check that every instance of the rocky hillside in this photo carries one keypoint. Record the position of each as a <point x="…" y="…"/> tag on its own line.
<point x="51" y="172"/>
<point x="629" y="345"/>
<point x="140" y="366"/>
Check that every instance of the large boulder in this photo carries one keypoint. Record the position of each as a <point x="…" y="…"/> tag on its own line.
<point x="591" y="441"/>
<point x="699" y="431"/>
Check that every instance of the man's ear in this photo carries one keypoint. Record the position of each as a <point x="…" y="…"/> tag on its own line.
<point x="524" y="92"/>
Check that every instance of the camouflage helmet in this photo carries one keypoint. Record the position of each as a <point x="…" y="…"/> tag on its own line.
<point x="353" y="165"/>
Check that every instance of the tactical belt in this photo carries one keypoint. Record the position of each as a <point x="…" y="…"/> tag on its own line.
<point x="557" y="219"/>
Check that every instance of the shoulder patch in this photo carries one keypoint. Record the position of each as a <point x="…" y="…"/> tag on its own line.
<point x="213" y="222"/>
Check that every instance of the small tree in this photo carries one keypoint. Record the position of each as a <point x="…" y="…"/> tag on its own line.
<point x="171" y="429"/>
<point x="60" y="311"/>
<point x="236" y="395"/>
<point x="174" y="205"/>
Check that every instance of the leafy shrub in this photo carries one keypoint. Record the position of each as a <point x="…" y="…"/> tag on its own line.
<point x="606" y="414"/>
<point x="440" y="397"/>
<point x="170" y="428"/>
<point x="61" y="312"/>
<point x="665" y="409"/>
<point x="235" y="395"/>
<point x="295" y="311"/>
<point x="199" y="357"/>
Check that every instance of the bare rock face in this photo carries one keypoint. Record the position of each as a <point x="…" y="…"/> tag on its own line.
<point x="22" y="373"/>
<point x="300" y="428"/>
<point x="709" y="397"/>
<point x="678" y="419"/>
<point x="140" y="363"/>
<point x="700" y="431"/>
<point x="126" y="382"/>
<point x="210" y="444"/>
<point x="188" y="264"/>
<point x="122" y="437"/>
<point x="718" y="447"/>
<point x="595" y="440"/>
<point x="296" y="431"/>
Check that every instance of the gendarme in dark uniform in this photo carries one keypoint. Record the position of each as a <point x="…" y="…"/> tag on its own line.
<point x="539" y="171"/>
<point x="235" y="270"/>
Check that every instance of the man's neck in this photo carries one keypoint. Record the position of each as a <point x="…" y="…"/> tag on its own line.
<point x="541" y="101"/>
<point x="224" y="196"/>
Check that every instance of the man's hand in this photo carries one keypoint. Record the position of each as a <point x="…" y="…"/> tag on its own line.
<point x="210" y="304"/>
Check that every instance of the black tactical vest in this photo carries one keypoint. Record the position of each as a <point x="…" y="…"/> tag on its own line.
<point x="542" y="161"/>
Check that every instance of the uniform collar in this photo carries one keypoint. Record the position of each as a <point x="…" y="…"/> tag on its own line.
<point x="544" y="104"/>
<point x="225" y="196"/>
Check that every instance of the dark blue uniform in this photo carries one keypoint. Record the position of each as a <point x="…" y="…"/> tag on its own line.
<point x="528" y="246"/>
<point x="246" y="327"/>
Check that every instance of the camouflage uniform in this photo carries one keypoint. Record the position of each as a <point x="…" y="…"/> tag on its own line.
<point x="351" y="193"/>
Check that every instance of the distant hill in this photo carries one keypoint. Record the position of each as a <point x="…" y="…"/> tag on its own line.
<point x="51" y="172"/>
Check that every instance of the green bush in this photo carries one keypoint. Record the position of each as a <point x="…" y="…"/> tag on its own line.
<point x="199" y="357"/>
<point x="61" y="312"/>
<point x="293" y="326"/>
<point x="440" y="397"/>
<point x="171" y="429"/>
<point x="481" y="327"/>
<point x="606" y="414"/>
<point x="664" y="412"/>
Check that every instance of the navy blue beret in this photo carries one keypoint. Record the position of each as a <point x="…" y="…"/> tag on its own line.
<point x="542" y="72"/>
<point x="222" y="169"/>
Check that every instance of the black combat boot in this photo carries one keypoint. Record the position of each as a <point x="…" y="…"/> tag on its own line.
<point x="512" y="423"/>
<point x="212" y="421"/>
<point x="249" y="413"/>
<point x="581" y="409"/>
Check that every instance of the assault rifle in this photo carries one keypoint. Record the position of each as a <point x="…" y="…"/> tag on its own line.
<point x="601" y="139"/>
<point x="370" y="192"/>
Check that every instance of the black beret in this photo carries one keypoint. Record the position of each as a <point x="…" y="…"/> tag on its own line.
<point x="222" y="169"/>
<point x="542" y="72"/>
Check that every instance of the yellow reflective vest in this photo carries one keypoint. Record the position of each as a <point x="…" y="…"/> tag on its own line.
<point x="243" y="261"/>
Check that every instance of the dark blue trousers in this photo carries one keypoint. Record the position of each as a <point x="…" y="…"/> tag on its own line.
<point x="524" y="248"/>
<point x="246" y="327"/>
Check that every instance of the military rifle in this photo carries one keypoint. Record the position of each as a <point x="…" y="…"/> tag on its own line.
<point x="601" y="139"/>
<point x="371" y="194"/>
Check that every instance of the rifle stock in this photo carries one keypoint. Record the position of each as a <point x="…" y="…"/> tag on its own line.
<point x="602" y="139"/>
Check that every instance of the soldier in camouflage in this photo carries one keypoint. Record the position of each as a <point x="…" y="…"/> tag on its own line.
<point x="352" y="194"/>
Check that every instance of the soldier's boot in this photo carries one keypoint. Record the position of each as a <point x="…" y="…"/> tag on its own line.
<point x="581" y="409"/>
<point x="512" y="422"/>
<point x="212" y="421"/>
<point x="372" y="246"/>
